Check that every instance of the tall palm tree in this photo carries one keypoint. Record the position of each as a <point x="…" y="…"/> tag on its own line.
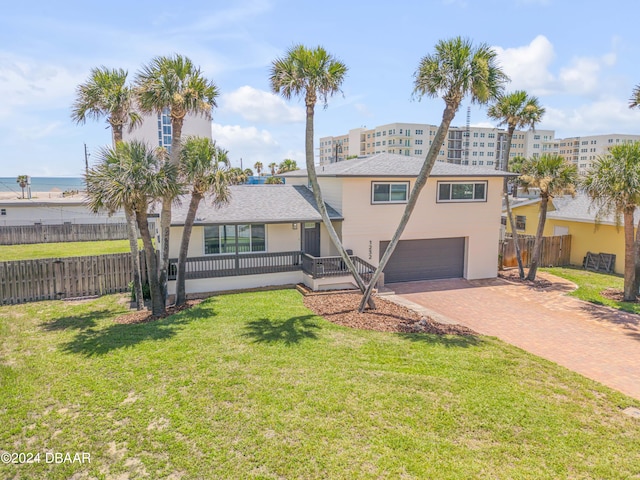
<point x="174" y="84"/>
<point x="106" y="95"/>
<point x="613" y="183"/>
<point x="516" y="110"/>
<point x="22" y="182"/>
<point x="203" y="166"/>
<point x="287" y="165"/>
<point x="634" y="101"/>
<point x="455" y="70"/>
<point x="273" y="166"/>
<point x="258" y="166"/>
<point x="132" y="176"/>
<point x="313" y="73"/>
<point x="553" y="175"/>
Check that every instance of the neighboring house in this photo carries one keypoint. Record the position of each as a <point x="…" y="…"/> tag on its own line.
<point x="155" y="129"/>
<point x="575" y="217"/>
<point x="453" y="232"/>
<point x="51" y="209"/>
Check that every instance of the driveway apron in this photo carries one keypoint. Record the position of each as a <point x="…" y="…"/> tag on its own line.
<point x="598" y="342"/>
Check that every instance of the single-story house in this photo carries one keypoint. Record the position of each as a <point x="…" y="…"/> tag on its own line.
<point x="273" y="234"/>
<point x="577" y="217"/>
<point x="52" y="208"/>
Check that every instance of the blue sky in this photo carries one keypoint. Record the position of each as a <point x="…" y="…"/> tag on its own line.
<point x="579" y="58"/>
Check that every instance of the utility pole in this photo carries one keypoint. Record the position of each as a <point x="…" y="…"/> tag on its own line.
<point x="86" y="159"/>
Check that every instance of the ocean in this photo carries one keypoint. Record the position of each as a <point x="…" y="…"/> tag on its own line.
<point x="43" y="184"/>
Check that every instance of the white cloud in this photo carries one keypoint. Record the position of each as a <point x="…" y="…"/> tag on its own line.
<point x="582" y="76"/>
<point x="25" y="82"/>
<point x="247" y="143"/>
<point x="528" y="66"/>
<point x="610" y="115"/>
<point x="261" y="107"/>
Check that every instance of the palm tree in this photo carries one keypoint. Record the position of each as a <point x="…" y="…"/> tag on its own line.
<point x="237" y="176"/>
<point x="553" y="175"/>
<point x="22" y="182"/>
<point x="132" y="176"/>
<point x="313" y="73"/>
<point x="176" y="85"/>
<point x="273" y="166"/>
<point x="258" y="166"/>
<point x="274" y="181"/>
<point x="203" y="166"/>
<point x="516" y="110"/>
<point x="456" y="69"/>
<point x="634" y="101"/>
<point x="106" y="94"/>
<point x="613" y="183"/>
<point x="287" y="165"/>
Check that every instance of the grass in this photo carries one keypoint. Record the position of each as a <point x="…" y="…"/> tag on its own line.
<point x="254" y="385"/>
<point x="591" y="284"/>
<point x="66" y="249"/>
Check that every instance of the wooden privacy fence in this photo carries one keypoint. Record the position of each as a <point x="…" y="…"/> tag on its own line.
<point x="56" y="278"/>
<point x="556" y="251"/>
<point x="69" y="232"/>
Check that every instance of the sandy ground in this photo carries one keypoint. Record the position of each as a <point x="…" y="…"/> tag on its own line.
<point x="54" y="193"/>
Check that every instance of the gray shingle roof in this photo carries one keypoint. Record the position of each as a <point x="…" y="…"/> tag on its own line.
<point x="393" y="165"/>
<point x="580" y="208"/>
<point x="257" y="204"/>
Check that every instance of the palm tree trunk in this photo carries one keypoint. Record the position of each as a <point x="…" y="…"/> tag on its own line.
<point x="317" y="194"/>
<point x="181" y="295"/>
<point x="636" y="279"/>
<point x="165" y="213"/>
<point x="630" y="292"/>
<point x="157" y="298"/>
<point x="537" y="246"/>
<point x="514" y="234"/>
<point x="512" y="223"/>
<point x="421" y="180"/>
<point x="135" y="256"/>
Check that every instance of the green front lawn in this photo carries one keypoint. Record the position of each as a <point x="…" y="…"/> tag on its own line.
<point x="66" y="249"/>
<point x="591" y="284"/>
<point x="254" y="385"/>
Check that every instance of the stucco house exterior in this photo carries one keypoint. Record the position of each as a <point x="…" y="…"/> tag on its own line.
<point x="453" y="232"/>
<point x="577" y="217"/>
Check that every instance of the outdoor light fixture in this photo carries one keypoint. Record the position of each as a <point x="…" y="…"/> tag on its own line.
<point x="294" y="226"/>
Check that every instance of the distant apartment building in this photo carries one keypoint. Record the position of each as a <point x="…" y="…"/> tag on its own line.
<point x="583" y="151"/>
<point x="463" y="145"/>
<point x="155" y="129"/>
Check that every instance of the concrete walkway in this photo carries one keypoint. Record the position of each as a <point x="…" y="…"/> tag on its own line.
<point x="598" y="342"/>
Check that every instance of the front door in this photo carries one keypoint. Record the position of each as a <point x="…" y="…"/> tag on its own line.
<point x="311" y="238"/>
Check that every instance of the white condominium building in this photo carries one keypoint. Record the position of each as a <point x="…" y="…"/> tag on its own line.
<point x="155" y="129"/>
<point x="583" y="151"/>
<point x="463" y="145"/>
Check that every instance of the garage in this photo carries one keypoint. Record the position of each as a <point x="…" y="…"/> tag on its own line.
<point x="425" y="260"/>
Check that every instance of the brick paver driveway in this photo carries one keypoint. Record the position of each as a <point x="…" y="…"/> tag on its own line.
<point x="597" y="342"/>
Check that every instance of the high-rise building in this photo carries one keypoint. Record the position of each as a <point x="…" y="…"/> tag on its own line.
<point x="463" y="145"/>
<point x="583" y="151"/>
<point x="156" y="129"/>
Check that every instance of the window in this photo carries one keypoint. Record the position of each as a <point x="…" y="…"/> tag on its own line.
<point x="521" y="222"/>
<point x="417" y="152"/>
<point x="462" y="191"/>
<point x="418" y="142"/>
<point x="224" y="239"/>
<point x="389" y="192"/>
<point x="3" y="211"/>
<point x="419" y="132"/>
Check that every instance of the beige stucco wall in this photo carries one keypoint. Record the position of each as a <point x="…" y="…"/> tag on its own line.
<point x="366" y="225"/>
<point x="280" y="238"/>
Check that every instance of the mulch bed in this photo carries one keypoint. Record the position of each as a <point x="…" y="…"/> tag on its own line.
<point x="514" y="276"/>
<point x="145" y="316"/>
<point x="613" y="294"/>
<point x="342" y="309"/>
